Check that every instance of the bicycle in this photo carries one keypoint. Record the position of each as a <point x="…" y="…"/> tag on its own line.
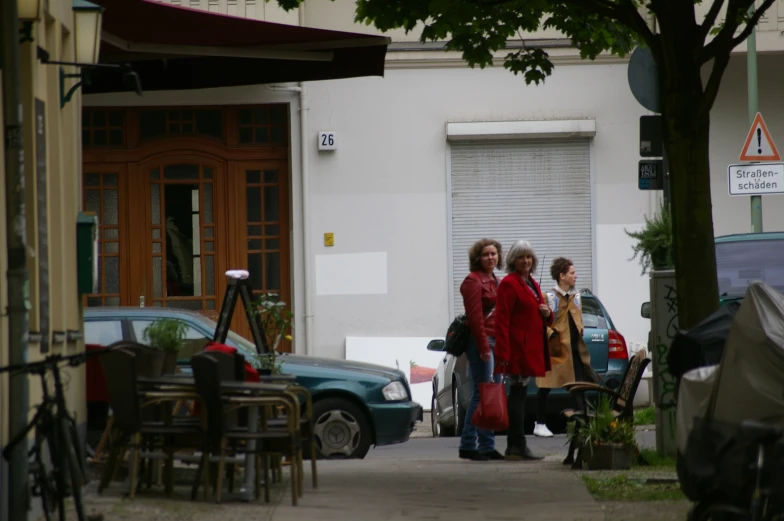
<point x="57" y="428"/>
<point x="767" y="439"/>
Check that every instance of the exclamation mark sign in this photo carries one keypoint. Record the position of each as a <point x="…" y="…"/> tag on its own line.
<point x="759" y="140"/>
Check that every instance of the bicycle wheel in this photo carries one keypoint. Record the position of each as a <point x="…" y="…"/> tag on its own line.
<point x="70" y="459"/>
<point x="79" y="448"/>
<point x="55" y="478"/>
<point x="42" y="486"/>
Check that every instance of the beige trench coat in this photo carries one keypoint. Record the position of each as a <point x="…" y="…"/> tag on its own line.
<point x="561" y="344"/>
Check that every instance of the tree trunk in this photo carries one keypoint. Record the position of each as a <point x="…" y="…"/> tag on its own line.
<point x="686" y="138"/>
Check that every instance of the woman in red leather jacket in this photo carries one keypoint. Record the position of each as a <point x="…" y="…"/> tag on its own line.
<point x="522" y="316"/>
<point x="479" y="298"/>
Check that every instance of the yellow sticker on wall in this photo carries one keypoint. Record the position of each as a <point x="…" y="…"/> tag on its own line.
<point x="329" y="239"/>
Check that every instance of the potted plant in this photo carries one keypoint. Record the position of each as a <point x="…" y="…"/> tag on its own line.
<point x="654" y="241"/>
<point x="276" y="325"/>
<point x="605" y="441"/>
<point x="168" y="335"/>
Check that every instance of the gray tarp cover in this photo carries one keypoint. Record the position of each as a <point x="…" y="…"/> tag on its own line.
<point x="695" y="391"/>
<point x="750" y="381"/>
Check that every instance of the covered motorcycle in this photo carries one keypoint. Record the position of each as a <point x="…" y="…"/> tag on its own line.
<point x="748" y="383"/>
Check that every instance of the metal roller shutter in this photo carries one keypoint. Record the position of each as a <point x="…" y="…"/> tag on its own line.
<point x="537" y="190"/>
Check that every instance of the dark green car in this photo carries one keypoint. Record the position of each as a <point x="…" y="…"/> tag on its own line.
<point x="355" y="405"/>
<point x="745" y="257"/>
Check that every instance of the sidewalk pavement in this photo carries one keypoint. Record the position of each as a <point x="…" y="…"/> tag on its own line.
<point x="387" y="490"/>
<point x="416" y="481"/>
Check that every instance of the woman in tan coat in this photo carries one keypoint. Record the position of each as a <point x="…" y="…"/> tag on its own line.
<point x="569" y="356"/>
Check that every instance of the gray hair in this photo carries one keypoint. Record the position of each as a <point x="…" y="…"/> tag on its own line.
<point x="520" y="249"/>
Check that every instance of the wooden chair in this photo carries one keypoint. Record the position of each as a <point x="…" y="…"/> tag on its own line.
<point x="220" y="397"/>
<point x="621" y="401"/>
<point x="129" y="423"/>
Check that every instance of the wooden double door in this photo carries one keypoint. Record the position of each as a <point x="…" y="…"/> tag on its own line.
<point x="172" y="223"/>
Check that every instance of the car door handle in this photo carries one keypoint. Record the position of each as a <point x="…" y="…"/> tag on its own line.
<point x="444" y="359"/>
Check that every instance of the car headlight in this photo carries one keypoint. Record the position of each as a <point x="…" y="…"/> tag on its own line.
<point x="395" y="391"/>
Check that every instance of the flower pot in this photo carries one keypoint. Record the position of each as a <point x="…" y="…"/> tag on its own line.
<point x="607" y="456"/>
<point x="660" y="259"/>
<point x="170" y="362"/>
<point x="150" y="363"/>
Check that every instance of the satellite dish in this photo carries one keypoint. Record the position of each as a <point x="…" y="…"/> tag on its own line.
<point x="644" y="79"/>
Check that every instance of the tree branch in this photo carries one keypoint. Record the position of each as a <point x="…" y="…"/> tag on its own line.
<point x="710" y="19"/>
<point x="711" y="50"/>
<point x="637" y="23"/>
<point x="712" y="87"/>
<point x="724" y="37"/>
<point x="719" y="50"/>
<point x="752" y="23"/>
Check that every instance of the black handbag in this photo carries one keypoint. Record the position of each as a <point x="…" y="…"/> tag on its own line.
<point x="457" y="336"/>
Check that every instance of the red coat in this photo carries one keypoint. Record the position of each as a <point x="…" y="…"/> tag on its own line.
<point x="251" y="375"/>
<point x="520" y="329"/>
<point x="478" y="291"/>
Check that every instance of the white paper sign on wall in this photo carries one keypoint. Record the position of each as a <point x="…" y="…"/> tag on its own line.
<point x="327" y="140"/>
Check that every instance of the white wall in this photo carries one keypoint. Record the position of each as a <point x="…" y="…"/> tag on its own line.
<point x="385" y="188"/>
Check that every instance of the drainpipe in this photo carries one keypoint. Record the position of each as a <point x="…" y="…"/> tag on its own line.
<point x="305" y="187"/>
<point x="16" y="233"/>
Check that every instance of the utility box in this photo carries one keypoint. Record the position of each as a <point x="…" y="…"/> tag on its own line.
<point x="664" y="326"/>
<point x="87" y="253"/>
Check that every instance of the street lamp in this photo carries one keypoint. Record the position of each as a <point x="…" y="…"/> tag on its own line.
<point x="87" y="33"/>
<point x="87" y="28"/>
<point x="29" y="10"/>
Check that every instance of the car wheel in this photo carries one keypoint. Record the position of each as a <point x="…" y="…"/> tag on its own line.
<point x="435" y="425"/>
<point x="459" y="412"/>
<point x="340" y="429"/>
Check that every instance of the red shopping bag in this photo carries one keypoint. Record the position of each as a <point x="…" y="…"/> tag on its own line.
<point x="490" y="414"/>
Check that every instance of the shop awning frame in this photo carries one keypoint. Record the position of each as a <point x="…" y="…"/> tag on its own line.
<point x="174" y="48"/>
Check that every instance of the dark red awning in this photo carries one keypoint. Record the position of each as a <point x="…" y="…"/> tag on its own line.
<point x="175" y="48"/>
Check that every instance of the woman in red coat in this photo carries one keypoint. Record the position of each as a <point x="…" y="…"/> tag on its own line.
<point x="478" y="291"/>
<point x="522" y="316"/>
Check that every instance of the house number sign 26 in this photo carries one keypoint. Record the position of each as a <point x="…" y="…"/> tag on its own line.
<point x="327" y="141"/>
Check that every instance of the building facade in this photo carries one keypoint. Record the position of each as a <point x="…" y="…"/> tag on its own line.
<point x="52" y="170"/>
<point x="370" y="238"/>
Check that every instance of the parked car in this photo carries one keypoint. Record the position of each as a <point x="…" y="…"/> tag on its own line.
<point x="452" y="387"/>
<point x="355" y="405"/>
<point x="742" y="258"/>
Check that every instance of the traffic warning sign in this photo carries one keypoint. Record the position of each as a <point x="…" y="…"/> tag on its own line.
<point x="759" y="145"/>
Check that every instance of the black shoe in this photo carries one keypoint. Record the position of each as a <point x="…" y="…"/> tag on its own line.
<point x="492" y="455"/>
<point x="513" y="454"/>
<point x="472" y="455"/>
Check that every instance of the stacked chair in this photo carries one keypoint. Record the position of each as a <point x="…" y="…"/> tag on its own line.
<point x="143" y="422"/>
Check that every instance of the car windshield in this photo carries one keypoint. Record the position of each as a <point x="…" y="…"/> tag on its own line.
<point x="592" y="314"/>
<point x="742" y="262"/>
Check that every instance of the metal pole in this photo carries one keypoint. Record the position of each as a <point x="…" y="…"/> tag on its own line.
<point x="753" y="96"/>
<point x="16" y="231"/>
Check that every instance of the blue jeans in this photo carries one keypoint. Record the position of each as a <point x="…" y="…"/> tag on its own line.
<point x="480" y="372"/>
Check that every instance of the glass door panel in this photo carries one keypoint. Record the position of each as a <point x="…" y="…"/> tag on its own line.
<point x="266" y="230"/>
<point x="183" y="236"/>
<point x="101" y="196"/>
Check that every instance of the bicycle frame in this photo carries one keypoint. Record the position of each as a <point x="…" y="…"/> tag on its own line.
<point x="54" y="424"/>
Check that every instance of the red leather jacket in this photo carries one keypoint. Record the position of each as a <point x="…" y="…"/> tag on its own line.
<point x="479" y="295"/>
<point x="520" y="329"/>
